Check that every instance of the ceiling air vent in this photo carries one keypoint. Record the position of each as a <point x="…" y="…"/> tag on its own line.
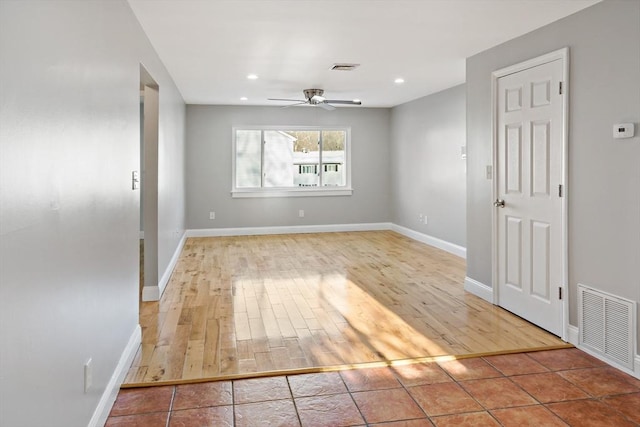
<point x="344" y="67"/>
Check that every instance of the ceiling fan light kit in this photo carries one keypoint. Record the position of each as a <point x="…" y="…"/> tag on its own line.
<point x="315" y="98"/>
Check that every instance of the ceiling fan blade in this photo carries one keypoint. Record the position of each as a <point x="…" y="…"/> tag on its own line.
<point x="326" y="106"/>
<point x="293" y="105"/>
<point x="290" y="100"/>
<point x="343" y="102"/>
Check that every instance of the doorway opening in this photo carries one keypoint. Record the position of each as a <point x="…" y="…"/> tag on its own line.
<point x="149" y="120"/>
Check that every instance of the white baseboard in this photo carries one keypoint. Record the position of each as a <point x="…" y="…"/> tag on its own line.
<point x="573" y="335"/>
<point x="478" y="289"/>
<point x="431" y="241"/>
<point x="153" y="293"/>
<point x="150" y="293"/>
<point x="295" y="229"/>
<point x="101" y="412"/>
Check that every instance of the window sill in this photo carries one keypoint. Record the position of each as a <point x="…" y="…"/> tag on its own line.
<point x="291" y="192"/>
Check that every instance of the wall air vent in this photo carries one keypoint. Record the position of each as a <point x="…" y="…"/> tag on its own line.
<point x="344" y="67"/>
<point x="606" y="323"/>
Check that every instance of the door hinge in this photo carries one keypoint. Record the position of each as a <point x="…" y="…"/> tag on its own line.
<point x="560" y="191"/>
<point x="560" y="292"/>
<point x="560" y="88"/>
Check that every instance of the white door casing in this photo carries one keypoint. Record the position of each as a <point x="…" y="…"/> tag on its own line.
<point x="530" y="251"/>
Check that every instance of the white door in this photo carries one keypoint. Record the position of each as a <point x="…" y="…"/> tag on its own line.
<point x="529" y="208"/>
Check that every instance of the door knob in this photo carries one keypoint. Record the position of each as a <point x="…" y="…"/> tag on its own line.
<point x="498" y="203"/>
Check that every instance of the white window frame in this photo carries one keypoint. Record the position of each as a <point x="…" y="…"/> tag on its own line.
<point x="345" y="190"/>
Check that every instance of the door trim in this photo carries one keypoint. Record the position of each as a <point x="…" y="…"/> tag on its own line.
<point x="562" y="54"/>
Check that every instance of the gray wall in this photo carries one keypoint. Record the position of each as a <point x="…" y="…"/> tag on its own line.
<point x="427" y="171"/>
<point x="69" y="139"/>
<point x="209" y="136"/>
<point x="604" y="176"/>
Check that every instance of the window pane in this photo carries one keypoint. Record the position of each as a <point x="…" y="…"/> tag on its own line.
<point x="304" y="165"/>
<point x="278" y="158"/>
<point x="248" y="158"/>
<point x="333" y="158"/>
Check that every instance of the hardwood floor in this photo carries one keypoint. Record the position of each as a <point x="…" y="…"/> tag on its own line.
<point x="253" y="304"/>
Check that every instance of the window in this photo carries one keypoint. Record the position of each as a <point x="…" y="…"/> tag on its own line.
<point x="290" y="162"/>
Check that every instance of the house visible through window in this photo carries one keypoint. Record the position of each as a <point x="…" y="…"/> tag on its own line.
<point x="308" y="169"/>
<point x="302" y="159"/>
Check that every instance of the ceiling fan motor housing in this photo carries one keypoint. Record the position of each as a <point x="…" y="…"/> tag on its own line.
<point x="314" y="96"/>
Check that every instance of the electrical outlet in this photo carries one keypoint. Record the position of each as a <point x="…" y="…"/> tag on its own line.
<point x="420" y="218"/>
<point x="212" y="215"/>
<point x="88" y="375"/>
<point x="301" y="213"/>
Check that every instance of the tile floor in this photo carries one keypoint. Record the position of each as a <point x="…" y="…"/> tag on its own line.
<point x="547" y="388"/>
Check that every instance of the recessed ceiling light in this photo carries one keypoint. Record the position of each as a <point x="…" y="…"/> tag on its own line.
<point x="243" y="98"/>
<point x="399" y="81"/>
<point x="252" y="76"/>
<point x="356" y="100"/>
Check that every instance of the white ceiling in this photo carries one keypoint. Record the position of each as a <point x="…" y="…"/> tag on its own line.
<point x="210" y="46"/>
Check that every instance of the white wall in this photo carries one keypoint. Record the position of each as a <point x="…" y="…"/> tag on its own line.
<point x="604" y="176"/>
<point x="209" y="137"/>
<point x="69" y="139"/>
<point x="428" y="175"/>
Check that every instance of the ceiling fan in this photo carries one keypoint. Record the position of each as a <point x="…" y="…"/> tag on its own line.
<point x="314" y="97"/>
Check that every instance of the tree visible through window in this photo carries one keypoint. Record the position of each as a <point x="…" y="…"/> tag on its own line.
<point x="281" y="158"/>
